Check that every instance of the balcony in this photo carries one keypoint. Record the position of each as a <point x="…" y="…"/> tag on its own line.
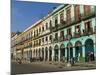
<point x="61" y="38"/>
<point x="28" y="46"/>
<point x="55" y="40"/>
<point x="55" y="28"/>
<point x="62" y="25"/>
<point x="68" y="36"/>
<point x="88" y="31"/>
<point x="90" y="14"/>
<point x="77" y="34"/>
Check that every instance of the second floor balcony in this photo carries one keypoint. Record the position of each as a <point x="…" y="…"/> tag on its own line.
<point x="88" y="31"/>
<point x="55" y="40"/>
<point x="77" y="34"/>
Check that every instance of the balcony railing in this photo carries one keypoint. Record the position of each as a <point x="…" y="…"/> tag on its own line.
<point x="88" y="31"/>
<point x="89" y="14"/>
<point x="77" y="34"/>
<point x="68" y="36"/>
<point x="62" y="38"/>
<point x="55" y="40"/>
<point x="28" y="46"/>
<point x="62" y="25"/>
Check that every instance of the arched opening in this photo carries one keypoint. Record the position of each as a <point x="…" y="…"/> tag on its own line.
<point x="30" y="54"/>
<point x="62" y="51"/>
<point x="42" y="53"/>
<point x="78" y="50"/>
<point x="46" y="53"/>
<point x="89" y="50"/>
<point x="39" y="52"/>
<point x="69" y="51"/>
<point x="36" y="53"/>
<point x="56" y="53"/>
<point x="50" y="53"/>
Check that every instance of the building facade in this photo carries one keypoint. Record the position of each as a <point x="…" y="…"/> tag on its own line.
<point x="68" y="31"/>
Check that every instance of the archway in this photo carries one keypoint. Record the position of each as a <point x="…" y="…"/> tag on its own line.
<point x="62" y="51"/>
<point x="36" y="53"/>
<point x="78" y="50"/>
<point x="56" y="53"/>
<point x="69" y="51"/>
<point x="50" y="53"/>
<point x="39" y="52"/>
<point x="42" y="53"/>
<point x="89" y="48"/>
<point x="30" y="54"/>
<point x="46" y="53"/>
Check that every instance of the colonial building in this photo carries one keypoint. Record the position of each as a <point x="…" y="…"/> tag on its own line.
<point x="68" y="31"/>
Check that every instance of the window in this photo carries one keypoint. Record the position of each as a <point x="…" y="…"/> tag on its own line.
<point x="68" y="17"/>
<point x="77" y="29"/>
<point x="88" y="25"/>
<point x="50" y="37"/>
<point x="50" y="23"/>
<point x="62" y="34"/>
<point x="42" y="39"/>
<point x="56" y="20"/>
<point x="36" y="42"/>
<point x="86" y="9"/>
<point x="39" y="41"/>
<point x="61" y="16"/>
<point x="56" y="36"/>
<point x="43" y="28"/>
<point x="39" y="29"/>
<point x="31" y="33"/>
<point x="46" y="39"/>
<point x="37" y="32"/>
<point x="76" y="12"/>
<point x="46" y="25"/>
<point x="69" y="31"/>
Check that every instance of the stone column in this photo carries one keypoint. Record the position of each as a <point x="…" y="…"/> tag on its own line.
<point x="52" y="54"/>
<point x="83" y="51"/>
<point x="66" y="54"/>
<point x="73" y="51"/>
<point x="95" y="50"/>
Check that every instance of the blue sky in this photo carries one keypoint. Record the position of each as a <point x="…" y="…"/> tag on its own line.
<point x="24" y="14"/>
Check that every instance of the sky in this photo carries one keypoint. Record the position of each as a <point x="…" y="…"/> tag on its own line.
<point x="24" y="14"/>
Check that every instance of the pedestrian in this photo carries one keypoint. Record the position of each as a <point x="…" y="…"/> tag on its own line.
<point x="72" y="61"/>
<point x="92" y="56"/>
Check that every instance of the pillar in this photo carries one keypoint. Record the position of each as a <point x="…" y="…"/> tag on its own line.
<point x="52" y="54"/>
<point x="95" y="50"/>
<point x="73" y="51"/>
<point x="66" y="54"/>
<point x="83" y="51"/>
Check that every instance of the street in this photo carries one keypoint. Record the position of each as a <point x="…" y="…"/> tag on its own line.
<point x="26" y="68"/>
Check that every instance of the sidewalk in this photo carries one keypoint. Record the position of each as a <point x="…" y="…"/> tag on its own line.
<point x="60" y="64"/>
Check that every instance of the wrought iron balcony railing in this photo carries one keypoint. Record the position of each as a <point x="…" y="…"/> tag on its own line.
<point x="88" y="31"/>
<point x="55" y="40"/>
<point x="77" y="34"/>
<point x="62" y="38"/>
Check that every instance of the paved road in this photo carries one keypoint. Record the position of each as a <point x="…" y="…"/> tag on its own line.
<point x="40" y="68"/>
